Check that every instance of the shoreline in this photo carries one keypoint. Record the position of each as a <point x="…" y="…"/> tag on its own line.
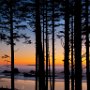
<point x="27" y="84"/>
<point x="33" y="79"/>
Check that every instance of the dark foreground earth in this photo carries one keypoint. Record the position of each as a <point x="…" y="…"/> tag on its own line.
<point x="5" y="89"/>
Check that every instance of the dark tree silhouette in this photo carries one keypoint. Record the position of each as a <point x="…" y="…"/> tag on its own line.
<point x="53" y="46"/>
<point x="47" y="56"/>
<point x="72" y="54"/>
<point x="77" y="45"/>
<point x="87" y="45"/>
<point x="43" y="27"/>
<point x="39" y="51"/>
<point x="66" y="55"/>
<point x="12" y="44"/>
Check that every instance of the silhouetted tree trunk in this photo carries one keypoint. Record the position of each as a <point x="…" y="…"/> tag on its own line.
<point x="50" y="74"/>
<point x="46" y="48"/>
<point x="77" y="45"/>
<point x="66" y="58"/>
<point x="43" y="27"/>
<point x="39" y="51"/>
<point x="53" y="47"/>
<point x="12" y="44"/>
<point x="87" y="46"/>
<point x="72" y="60"/>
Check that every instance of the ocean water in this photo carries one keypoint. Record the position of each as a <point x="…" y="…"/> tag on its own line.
<point x="28" y="68"/>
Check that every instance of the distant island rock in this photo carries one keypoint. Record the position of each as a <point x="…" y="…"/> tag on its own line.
<point x="32" y="73"/>
<point x="16" y="71"/>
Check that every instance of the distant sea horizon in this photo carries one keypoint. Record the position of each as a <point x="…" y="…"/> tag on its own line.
<point x="28" y="67"/>
<point x="59" y="71"/>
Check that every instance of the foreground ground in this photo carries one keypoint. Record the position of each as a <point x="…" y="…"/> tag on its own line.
<point x="5" y="89"/>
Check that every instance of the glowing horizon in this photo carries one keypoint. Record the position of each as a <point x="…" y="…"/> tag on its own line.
<point x="25" y="54"/>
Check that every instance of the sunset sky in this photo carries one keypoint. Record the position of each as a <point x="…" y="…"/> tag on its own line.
<point x="25" y="53"/>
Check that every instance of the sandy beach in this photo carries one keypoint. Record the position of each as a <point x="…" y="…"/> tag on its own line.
<point x="25" y="84"/>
